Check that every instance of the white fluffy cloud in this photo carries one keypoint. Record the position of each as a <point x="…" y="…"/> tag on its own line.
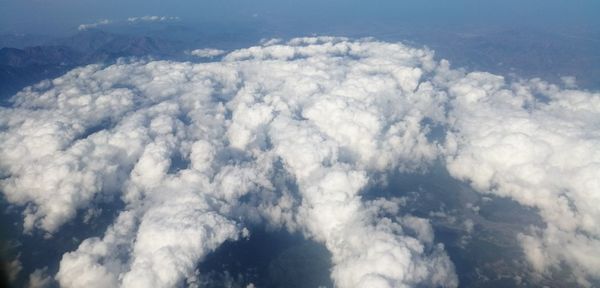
<point x="181" y="144"/>
<point x="537" y="144"/>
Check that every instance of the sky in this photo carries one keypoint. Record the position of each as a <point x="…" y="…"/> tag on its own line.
<point x="63" y="16"/>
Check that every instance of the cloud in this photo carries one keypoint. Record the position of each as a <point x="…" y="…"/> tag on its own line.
<point x="13" y="268"/>
<point x="84" y="137"/>
<point x="535" y="143"/>
<point x="102" y="22"/>
<point x="39" y="278"/>
<point x="149" y="18"/>
<point x="206" y="52"/>
<point x="290" y="134"/>
<point x="131" y="20"/>
<point x="569" y="81"/>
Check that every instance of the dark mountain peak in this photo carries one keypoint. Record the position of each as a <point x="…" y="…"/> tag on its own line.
<point x="87" y="40"/>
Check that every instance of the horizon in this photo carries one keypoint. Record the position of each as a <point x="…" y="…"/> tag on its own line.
<point x="62" y="17"/>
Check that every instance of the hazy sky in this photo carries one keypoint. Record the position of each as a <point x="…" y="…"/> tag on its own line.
<point x="63" y="16"/>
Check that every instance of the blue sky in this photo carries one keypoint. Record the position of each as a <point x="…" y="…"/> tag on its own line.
<point x="63" y="16"/>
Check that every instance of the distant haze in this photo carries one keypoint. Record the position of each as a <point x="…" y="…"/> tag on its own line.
<point x="64" y="16"/>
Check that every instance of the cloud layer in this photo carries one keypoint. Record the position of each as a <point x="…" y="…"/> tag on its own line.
<point x="538" y="145"/>
<point x="290" y="134"/>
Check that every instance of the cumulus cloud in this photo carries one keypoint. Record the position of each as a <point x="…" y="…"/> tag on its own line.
<point x="197" y="151"/>
<point x="537" y="144"/>
<point x="231" y="122"/>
